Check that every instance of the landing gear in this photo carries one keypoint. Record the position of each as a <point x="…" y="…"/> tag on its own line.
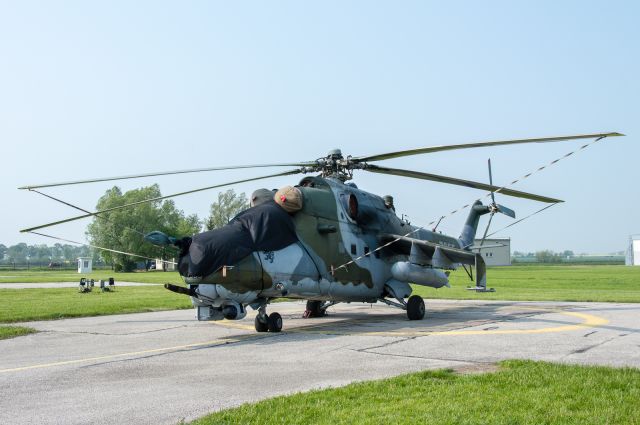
<point x="274" y="322"/>
<point x="415" y="308"/>
<point x="317" y="308"/>
<point x="314" y="309"/>
<point x="264" y="322"/>
<point x="260" y="325"/>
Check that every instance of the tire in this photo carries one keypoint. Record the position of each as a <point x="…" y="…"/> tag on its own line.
<point x="230" y="312"/>
<point x="274" y="322"/>
<point x="314" y="309"/>
<point x="415" y="308"/>
<point x="260" y="325"/>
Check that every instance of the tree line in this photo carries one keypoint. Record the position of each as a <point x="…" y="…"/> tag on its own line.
<point x="123" y="229"/>
<point x="566" y="256"/>
<point x="42" y="253"/>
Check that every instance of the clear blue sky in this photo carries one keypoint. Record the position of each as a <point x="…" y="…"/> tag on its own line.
<point x="97" y="89"/>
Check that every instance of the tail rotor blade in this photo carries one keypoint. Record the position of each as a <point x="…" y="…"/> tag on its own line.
<point x="493" y="198"/>
<point x="506" y="211"/>
<point x="497" y="207"/>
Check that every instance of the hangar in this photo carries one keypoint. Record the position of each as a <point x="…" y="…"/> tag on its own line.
<point x="633" y="251"/>
<point x="497" y="252"/>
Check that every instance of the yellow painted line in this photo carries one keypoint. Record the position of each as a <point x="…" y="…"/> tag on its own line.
<point x="233" y="324"/>
<point x="130" y="354"/>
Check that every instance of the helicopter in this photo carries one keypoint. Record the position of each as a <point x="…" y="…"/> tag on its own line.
<point x="326" y="241"/>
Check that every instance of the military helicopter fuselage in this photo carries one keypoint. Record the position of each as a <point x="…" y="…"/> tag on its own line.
<point x="345" y="252"/>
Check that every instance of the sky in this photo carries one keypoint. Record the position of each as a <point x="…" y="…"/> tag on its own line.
<point x="93" y="89"/>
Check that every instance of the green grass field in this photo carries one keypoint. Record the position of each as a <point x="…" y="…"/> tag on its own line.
<point x="521" y="392"/>
<point x="547" y="283"/>
<point x="7" y="332"/>
<point x="19" y="305"/>
<point x="38" y="276"/>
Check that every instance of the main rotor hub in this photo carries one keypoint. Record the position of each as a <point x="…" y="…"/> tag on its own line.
<point x="335" y="154"/>
<point x="335" y="165"/>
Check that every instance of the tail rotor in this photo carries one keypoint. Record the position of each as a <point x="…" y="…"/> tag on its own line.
<point x="494" y="207"/>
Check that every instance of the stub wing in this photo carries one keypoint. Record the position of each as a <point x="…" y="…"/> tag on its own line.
<point x="437" y="255"/>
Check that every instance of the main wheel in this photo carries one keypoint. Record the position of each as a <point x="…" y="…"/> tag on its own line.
<point x="274" y="322"/>
<point x="415" y="308"/>
<point x="314" y="309"/>
<point x="260" y="325"/>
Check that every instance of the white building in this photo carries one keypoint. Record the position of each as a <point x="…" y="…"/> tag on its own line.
<point x="495" y="252"/>
<point x="169" y="266"/>
<point x="633" y="252"/>
<point x="85" y="264"/>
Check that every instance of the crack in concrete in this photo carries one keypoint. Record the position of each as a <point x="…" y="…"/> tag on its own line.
<point x="408" y="356"/>
<point x="387" y="344"/>
<point x="591" y="347"/>
<point x="249" y="338"/>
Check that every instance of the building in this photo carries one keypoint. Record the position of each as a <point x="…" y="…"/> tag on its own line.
<point x="169" y="266"/>
<point x="85" y="264"/>
<point x="633" y="251"/>
<point x="495" y="252"/>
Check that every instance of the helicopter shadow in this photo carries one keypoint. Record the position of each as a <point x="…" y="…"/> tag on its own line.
<point x="394" y="324"/>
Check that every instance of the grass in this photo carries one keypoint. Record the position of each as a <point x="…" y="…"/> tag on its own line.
<point x="19" y="305"/>
<point x="39" y="276"/>
<point x="547" y="283"/>
<point x="7" y="332"/>
<point x="521" y="392"/>
<point x="530" y="283"/>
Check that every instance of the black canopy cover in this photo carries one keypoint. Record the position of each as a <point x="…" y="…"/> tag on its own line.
<point x="265" y="227"/>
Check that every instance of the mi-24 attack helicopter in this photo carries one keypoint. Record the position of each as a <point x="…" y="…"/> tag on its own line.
<point x="326" y="241"/>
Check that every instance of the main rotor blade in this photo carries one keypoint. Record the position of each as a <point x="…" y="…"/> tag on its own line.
<point x="432" y="149"/>
<point x="160" y="198"/>
<point x="459" y="182"/>
<point x="166" y="173"/>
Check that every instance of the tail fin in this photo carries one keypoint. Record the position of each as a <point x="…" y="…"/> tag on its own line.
<point x="471" y="225"/>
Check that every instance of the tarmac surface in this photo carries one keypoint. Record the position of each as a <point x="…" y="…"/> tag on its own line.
<point x="163" y="367"/>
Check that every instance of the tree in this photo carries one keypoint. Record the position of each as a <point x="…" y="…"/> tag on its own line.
<point x="3" y="251"/>
<point x="18" y="253"/>
<point x="229" y="204"/>
<point x="547" y="256"/>
<point x="69" y="252"/>
<point x="123" y="229"/>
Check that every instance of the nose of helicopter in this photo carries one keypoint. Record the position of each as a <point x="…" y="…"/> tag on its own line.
<point x="244" y="276"/>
